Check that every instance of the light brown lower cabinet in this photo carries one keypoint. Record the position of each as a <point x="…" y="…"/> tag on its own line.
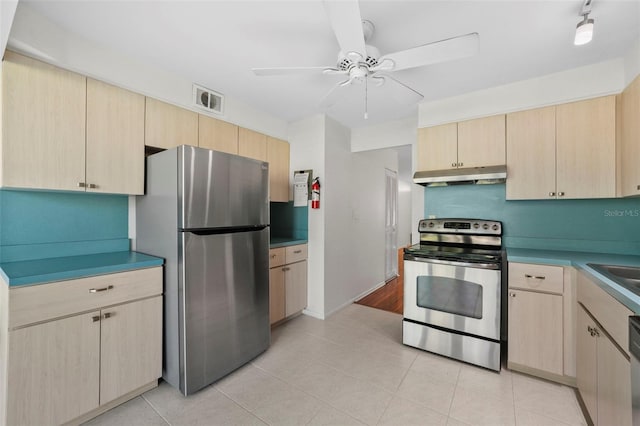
<point x="76" y="365"/>
<point x="287" y="281"/>
<point x="603" y="374"/>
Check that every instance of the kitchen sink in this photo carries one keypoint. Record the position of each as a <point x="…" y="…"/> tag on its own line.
<point x="626" y="276"/>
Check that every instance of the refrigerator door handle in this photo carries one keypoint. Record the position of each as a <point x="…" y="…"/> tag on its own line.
<point x="225" y="230"/>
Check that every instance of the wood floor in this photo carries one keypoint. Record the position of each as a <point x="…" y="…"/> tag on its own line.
<point x="388" y="297"/>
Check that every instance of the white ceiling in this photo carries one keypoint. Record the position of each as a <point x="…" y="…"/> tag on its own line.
<point x="216" y="43"/>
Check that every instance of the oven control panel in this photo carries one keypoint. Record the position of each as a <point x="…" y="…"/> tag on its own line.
<point x="461" y="226"/>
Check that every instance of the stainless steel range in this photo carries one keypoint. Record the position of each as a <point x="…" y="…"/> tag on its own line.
<point x="453" y="290"/>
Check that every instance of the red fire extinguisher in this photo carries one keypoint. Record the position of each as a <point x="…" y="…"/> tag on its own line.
<point x="315" y="194"/>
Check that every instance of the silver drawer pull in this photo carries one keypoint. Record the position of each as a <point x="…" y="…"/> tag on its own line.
<point x="297" y="252"/>
<point x="536" y="277"/>
<point x="286" y="269"/>
<point x="273" y="256"/>
<point x="108" y="315"/>
<point x="82" y="185"/>
<point x="92" y="186"/>
<point x="95" y="318"/>
<point x="98" y="290"/>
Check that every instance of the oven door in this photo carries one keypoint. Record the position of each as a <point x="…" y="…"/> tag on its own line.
<point x="464" y="297"/>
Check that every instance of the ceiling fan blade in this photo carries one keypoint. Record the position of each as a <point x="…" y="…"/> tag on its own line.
<point x="289" y="70"/>
<point x="439" y="51"/>
<point x="346" y="22"/>
<point x="401" y="92"/>
<point x="337" y="92"/>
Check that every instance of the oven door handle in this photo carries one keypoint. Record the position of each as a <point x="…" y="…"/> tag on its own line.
<point x="453" y="263"/>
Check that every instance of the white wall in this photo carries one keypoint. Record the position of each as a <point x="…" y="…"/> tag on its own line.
<point x="405" y="182"/>
<point x="7" y="12"/>
<point x="579" y="83"/>
<point x="385" y="135"/>
<point x="339" y="270"/>
<point x="38" y="37"/>
<point x="307" y="144"/>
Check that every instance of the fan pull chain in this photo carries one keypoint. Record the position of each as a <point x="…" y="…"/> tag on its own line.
<point x="366" y="91"/>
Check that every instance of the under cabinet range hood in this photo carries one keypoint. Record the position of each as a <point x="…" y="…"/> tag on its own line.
<point x="469" y="175"/>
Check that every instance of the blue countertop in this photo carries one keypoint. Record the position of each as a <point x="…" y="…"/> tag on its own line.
<point x="41" y="271"/>
<point x="283" y="242"/>
<point x="580" y="260"/>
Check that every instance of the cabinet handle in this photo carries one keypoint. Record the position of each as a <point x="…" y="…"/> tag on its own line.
<point x="560" y="194"/>
<point x="98" y="290"/>
<point x="92" y="186"/>
<point x="638" y="187"/>
<point x="286" y="269"/>
<point x="273" y="256"/>
<point x="82" y="185"/>
<point x="512" y="294"/>
<point x="537" y="277"/>
<point x="453" y="164"/>
<point x="95" y="318"/>
<point x="108" y="315"/>
<point x="552" y="194"/>
<point x="297" y="252"/>
<point x="460" y="164"/>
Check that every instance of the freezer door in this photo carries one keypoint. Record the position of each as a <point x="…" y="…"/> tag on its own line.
<point x="225" y="290"/>
<point x="217" y="189"/>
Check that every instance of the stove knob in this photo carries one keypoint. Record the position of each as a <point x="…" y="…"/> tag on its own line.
<point x="494" y="227"/>
<point x="431" y="224"/>
<point x="485" y="226"/>
<point x="476" y="225"/>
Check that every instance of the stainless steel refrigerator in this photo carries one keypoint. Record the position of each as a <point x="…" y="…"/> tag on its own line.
<point x="207" y="214"/>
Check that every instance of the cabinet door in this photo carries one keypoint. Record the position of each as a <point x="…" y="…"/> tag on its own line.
<point x="295" y="287"/>
<point x="115" y="139"/>
<point x="481" y="142"/>
<point x="586" y="362"/>
<point x="614" y="384"/>
<point x="586" y="149"/>
<point x="167" y="126"/>
<point x="53" y="370"/>
<point x="276" y="294"/>
<point x="43" y="125"/>
<point x="278" y="158"/>
<point x="131" y="347"/>
<point x="252" y="144"/>
<point x="531" y="154"/>
<point x="535" y="330"/>
<point x="217" y="135"/>
<point x="630" y="140"/>
<point x="438" y="147"/>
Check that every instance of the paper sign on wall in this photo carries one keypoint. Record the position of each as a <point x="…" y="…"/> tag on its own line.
<point x="301" y="184"/>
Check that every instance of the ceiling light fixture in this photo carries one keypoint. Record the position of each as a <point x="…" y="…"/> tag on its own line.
<point x="584" y="29"/>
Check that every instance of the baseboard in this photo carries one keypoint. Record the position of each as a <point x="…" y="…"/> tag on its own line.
<point x="313" y="314"/>
<point x="565" y="380"/>
<point x="371" y="290"/>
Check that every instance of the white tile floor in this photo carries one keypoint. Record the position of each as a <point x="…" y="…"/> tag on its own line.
<point x="352" y="369"/>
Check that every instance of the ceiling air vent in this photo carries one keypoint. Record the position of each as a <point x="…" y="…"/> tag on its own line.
<point x="208" y="99"/>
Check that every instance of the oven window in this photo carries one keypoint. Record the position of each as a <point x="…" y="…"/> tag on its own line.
<point x="450" y="295"/>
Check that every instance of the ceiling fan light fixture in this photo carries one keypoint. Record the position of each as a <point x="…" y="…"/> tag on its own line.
<point x="584" y="31"/>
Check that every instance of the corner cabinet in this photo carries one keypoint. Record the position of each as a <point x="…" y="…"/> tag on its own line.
<point x="602" y="357"/>
<point x="287" y="281"/>
<point x="80" y="134"/>
<point x="630" y="140"/>
<point x="77" y="348"/>
<point x="471" y="143"/>
<point x="564" y="151"/>
<point x="541" y="321"/>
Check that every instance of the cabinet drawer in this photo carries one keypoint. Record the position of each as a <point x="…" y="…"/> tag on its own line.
<point x="296" y="253"/>
<point x="544" y="278"/>
<point x="276" y="257"/>
<point x="47" y="301"/>
<point x="612" y="315"/>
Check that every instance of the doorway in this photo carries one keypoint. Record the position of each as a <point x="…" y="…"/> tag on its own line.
<point x="391" y="224"/>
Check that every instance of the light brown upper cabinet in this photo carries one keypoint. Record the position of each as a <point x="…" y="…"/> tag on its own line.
<point x="531" y="154"/>
<point x="586" y="149"/>
<point x="217" y="135"/>
<point x="252" y="144"/>
<point x="62" y="131"/>
<point x="167" y="126"/>
<point x="471" y="143"/>
<point x="43" y="125"/>
<point x="630" y="140"/>
<point x="115" y="139"/>
<point x="563" y="151"/>
<point x="278" y="158"/>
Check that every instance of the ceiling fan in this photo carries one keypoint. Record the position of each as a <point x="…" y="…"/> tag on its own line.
<point x="362" y="63"/>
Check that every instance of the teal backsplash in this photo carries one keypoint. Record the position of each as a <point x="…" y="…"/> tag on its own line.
<point x="609" y="225"/>
<point x="37" y="224"/>
<point x="288" y="221"/>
